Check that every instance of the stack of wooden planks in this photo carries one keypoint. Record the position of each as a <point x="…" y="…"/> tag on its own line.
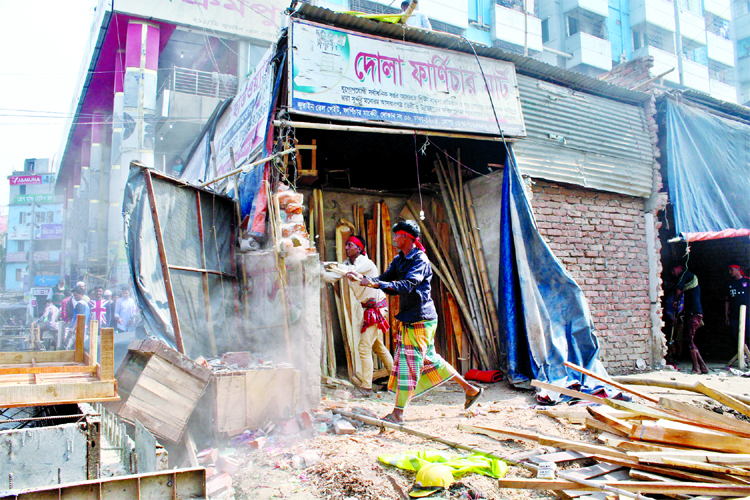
<point x="654" y="446"/>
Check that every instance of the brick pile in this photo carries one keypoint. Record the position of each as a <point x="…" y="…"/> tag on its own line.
<point x="631" y="73"/>
<point x="601" y="240"/>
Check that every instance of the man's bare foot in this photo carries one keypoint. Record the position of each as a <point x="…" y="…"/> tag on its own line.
<point x="472" y="396"/>
<point x="395" y="417"/>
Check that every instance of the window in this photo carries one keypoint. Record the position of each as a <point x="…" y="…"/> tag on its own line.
<point x="21" y="246"/>
<point x="50" y="217"/>
<point x="545" y="31"/>
<point x="22" y="217"/>
<point x="21" y="189"/>
<point x="19" y="275"/>
<point x="572" y="26"/>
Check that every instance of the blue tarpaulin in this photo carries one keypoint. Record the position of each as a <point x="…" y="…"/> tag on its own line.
<point x="544" y="315"/>
<point x="708" y="167"/>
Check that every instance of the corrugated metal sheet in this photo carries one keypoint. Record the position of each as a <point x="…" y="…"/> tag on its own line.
<point x="583" y="139"/>
<point x="524" y="65"/>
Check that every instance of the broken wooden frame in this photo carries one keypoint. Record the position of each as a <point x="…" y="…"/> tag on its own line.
<point x="35" y="378"/>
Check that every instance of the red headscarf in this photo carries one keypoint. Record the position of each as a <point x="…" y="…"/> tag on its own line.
<point x="417" y="243"/>
<point x="358" y="242"/>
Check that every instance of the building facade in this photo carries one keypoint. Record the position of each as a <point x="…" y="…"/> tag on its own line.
<point x="150" y="79"/>
<point x="35" y="228"/>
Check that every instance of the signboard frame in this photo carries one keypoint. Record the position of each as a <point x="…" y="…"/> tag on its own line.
<point x="421" y="87"/>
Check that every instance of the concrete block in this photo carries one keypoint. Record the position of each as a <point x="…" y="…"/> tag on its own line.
<point x="208" y="456"/>
<point x="218" y="483"/>
<point x="229" y="465"/>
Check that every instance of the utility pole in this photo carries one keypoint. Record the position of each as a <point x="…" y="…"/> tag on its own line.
<point x="31" y="243"/>
<point x="525" y="30"/>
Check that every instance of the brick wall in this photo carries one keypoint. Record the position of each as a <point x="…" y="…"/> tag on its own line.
<point x="631" y="73"/>
<point x="601" y="239"/>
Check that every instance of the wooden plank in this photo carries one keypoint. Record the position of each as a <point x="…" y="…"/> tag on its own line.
<point x="592" y="423"/>
<point x="567" y="392"/>
<point x="611" y="382"/>
<point x="625" y="444"/>
<point x="637" y="409"/>
<point x="107" y="371"/>
<point x="163" y="261"/>
<point x="562" y="457"/>
<point x="48" y="369"/>
<point x="13" y="358"/>
<point x="723" y="398"/>
<point x="736" y="459"/>
<point x="689" y="464"/>
<point x="574" y="414"/>
<point x="667" y="471"/>
<point x="56" y="393"/>
<point x="690" y="438"/>
<point x="709" y="418"/>
<point x="653" y="487"/>
<point x="93" y="342"/>
<point x="80" y="337"/>
<point x="622" y="427"/>
<point x="593" y="471"/>
<point x="204" y="274"/>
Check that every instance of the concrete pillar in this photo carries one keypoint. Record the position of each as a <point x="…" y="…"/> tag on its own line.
<point x="81" y="206"/>
<point x="136" y="128"/>
<point x="95" y="169"/>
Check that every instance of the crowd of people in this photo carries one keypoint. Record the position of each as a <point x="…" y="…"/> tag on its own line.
<point x="118" y="310"/>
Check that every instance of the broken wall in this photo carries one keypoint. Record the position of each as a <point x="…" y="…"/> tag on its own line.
<point x="600" y="238"/>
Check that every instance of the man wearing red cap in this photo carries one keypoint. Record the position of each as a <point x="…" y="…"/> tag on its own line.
<point x="738" y="294"/>
<point x="374" y="304"/>
<point x="417" y="367"/>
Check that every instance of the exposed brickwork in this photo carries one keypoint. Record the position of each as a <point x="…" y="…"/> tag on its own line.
<point x="631" y="73"/>
<point x="601" y="239"/>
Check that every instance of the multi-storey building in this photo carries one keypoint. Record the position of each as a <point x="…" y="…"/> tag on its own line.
<point x="692" y="38"/>
<point x="151" y="77"/>
<point x="35" y="228"/>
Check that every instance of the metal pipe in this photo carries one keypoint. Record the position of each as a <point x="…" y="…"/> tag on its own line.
<point x="245" y="167"/>
<point x="557" y="52"/>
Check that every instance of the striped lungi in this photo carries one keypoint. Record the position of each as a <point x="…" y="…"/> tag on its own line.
<point x="417" y="368"/>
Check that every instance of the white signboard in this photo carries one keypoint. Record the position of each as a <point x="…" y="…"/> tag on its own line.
<point x="257" y="19"/>
<point x="339" y="74"/>
<point x="242" y="127"/>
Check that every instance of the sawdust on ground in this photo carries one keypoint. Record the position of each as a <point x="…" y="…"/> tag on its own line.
<point x="349" y="467"/>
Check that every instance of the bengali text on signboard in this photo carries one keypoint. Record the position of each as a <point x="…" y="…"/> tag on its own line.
<point x="343" y="75"/>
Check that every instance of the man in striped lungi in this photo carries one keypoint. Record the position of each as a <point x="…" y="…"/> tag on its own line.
<point x="417" y="367"/>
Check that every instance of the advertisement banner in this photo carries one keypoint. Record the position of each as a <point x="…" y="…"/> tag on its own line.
<point x="347" y="76"/>
<point x="27" y="199"/>
<point x="48" y="232"/>
<point x="257" y="19"/>
<point x="243" y="126"/>
<point x="19" y="232"/>
<point x="17" y="180"/>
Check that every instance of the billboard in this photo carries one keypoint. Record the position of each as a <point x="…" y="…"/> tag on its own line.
<point x="19" y="232"/>
<point x="17" y="180"/>
<point x="257" y="19"/>
<point x="48" y="232"/>
<point x="27" y="199"/>
<point x="343" y="75"/>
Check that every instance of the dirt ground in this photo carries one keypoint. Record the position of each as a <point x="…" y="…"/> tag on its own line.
<point x="348" y="467"/>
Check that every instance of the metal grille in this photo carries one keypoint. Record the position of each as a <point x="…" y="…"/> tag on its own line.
<point x="446" y="28"/>
<point x="203" y="83"/>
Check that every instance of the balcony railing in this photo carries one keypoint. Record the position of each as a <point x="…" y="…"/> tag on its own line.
<point x="202" y="83"/>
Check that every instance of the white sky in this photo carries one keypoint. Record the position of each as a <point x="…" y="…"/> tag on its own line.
<point x="43" y="43"/>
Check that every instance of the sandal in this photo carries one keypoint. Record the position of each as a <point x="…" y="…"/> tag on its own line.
<point x="470" y="400"/>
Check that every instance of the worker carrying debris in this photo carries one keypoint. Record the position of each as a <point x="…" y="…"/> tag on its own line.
<point x="418" y="368"/>
<point x="374" y="303"/>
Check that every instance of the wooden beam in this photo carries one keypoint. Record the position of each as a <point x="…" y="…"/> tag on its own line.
<point x="568" y="392"/>
<point x="36" y="369"/>
<point x="204" y="274"/>
<point x="706" y="418"/>
<point x="667" y="471"/>
<point x="164" y="263"/>
<point x="690" y="438"/>
<point x="12" y="358"/>
<point x="623" y="428"/>
<point x="672" y="384"/>
<point x="93" y="342"/>
<point x="723" y="398"/>
<point x="725" y="490"/>
<point x="107" y="368"/>
<point x="80" y="336"/>
<point x="611" y="382"/>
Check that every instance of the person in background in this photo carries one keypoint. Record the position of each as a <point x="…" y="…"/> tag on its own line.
<point x="417" y="367"/>
<point x="375" y="306"/>
<point x="416" y="19"/>
<point x="82" y="286"/>
<point x="101" y="308"/>
<point x="738" y="294"/>
<point x="58" y="292"/>
<point x="178" y="167"/>
<point x="687" y="287"/>
<point x="126" y="312"/>
<point x="64" y="306"/>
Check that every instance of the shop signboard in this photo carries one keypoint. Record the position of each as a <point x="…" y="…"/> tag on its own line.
<point x="27" y="199"/>
<point x="48" y="232"/>
<point x="19" y="232"/>
<point x="342" y="75"/>
<point x="18" y="180"/>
